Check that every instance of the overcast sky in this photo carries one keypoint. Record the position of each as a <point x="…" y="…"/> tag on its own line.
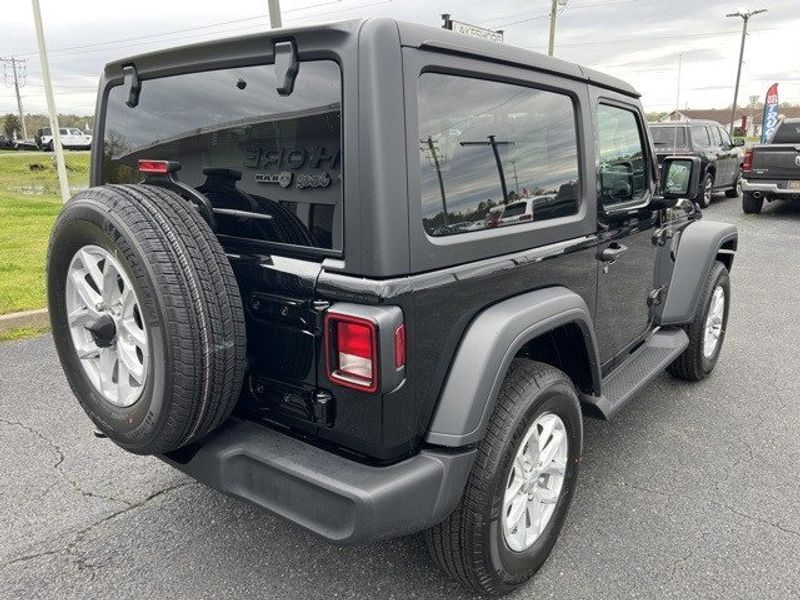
<point x="637" y="40"/>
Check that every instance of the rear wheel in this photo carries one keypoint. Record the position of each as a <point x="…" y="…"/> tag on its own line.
<point x="736" y="190"/>
<point x="146" y="316"/>
<point x="520" y="487"/>
<point x="750" y="204"/>
<point x="706" y="190"/>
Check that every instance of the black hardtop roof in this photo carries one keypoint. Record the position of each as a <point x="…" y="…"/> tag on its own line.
<point x="411" y="35"/>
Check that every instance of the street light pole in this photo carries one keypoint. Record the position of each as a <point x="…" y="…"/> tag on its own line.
<point x="745" y="14"/>
<point x="553" y="13"/>
<point x="275" y="14"/>
<point x="51" y="103"/>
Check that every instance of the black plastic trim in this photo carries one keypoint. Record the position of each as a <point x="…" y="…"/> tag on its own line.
<point x="341" y="500"/>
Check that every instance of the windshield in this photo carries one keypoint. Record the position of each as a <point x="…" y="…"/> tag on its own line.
<point x="269" y="164"/>
<point x="670" y="137"/>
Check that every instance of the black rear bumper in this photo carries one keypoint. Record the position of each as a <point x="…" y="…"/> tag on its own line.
<point x="344" y="501"/>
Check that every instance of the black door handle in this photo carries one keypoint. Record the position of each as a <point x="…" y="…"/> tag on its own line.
<point x="613" y="252"/>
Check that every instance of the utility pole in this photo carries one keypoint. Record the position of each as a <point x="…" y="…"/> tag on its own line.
<point x="553" y="13"/>
<point x="17" y="79"/>
<point x="495" y="144"/>
<point x="275" y="14"/>
<point x="51" y="103"/>
<point x="434" y="156"/>
<point x="745" y="15"/>
<point x="678" y="84"/>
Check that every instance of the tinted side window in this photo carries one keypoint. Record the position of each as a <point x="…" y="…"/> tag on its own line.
<point x="485" y="144"/>
<point x="713" y="133"/>
<point x="623" y="172"/>
<point x="723" y="136"/>
<point x="700" y="136"/>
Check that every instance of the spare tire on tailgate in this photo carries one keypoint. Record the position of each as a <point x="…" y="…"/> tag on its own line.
<point x="146" y="316"/>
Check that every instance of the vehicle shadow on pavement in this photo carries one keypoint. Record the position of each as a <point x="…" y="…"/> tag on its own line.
<point x="780" y="209"/>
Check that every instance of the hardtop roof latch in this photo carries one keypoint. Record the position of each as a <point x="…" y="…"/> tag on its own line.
<point x="286" y="67"/>
<point x="133" y="84"/>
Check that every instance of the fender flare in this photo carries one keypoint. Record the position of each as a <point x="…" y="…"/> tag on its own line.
<point x="489" y="345"/>
<point x="698" y="246"/>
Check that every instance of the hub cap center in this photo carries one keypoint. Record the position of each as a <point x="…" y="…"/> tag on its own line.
<point x="103" y="330"/>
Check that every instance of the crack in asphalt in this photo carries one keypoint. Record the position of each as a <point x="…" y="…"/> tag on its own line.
<point x="58" y="466"/>
<point x="81" y="560"/>
<point x="722" y="505"/>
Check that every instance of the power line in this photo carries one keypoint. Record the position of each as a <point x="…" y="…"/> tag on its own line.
<point x="119" y="44"/>
<point x="528" y="18"/>
<point x="639" y="39"/>
<point x="260" y="17"/>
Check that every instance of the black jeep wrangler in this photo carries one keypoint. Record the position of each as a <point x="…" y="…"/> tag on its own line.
<point x="290" y="280"/>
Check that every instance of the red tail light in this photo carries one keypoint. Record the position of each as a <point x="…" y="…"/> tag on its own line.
<point x="156" y="167"/>
<point x="352" y="351"/>
<point x="747" y="164"/>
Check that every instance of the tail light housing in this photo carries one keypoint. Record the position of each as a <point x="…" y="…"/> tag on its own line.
<point x="158" y="167"/>
<point x="352" y="351"/>
<point x="365" y="347"/>
<point x="747" y="164"/>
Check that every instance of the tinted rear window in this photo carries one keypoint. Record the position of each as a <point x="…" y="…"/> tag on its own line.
<point x="270" y="165"/>
<point x="787" y="133"/>
<point x="670" y="137"/>
<point x="700" y="136"/>
<point x="514" y="210"/>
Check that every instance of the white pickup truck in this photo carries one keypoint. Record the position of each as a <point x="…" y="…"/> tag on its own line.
<point x="71" y="137"/>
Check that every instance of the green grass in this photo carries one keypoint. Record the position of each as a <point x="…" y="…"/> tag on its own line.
<point x="21" y="333"/>
<point x="29" y="203"/>
<point x="25" y="223"/>
<point x="34" y="173"/>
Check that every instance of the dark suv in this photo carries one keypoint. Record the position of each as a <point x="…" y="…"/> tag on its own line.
<point x="290" y="282"/>
<point x="720" y="158"/>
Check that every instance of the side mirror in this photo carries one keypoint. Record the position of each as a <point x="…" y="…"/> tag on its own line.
<point x="738" y="141"/>
<point x="680" y="177"/>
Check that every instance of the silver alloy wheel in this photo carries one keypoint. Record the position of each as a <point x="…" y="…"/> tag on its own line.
<point x="714" y="320"/>
<point x="708" y="191"/>
<point x="535" y="482"/>
<point x="99" y="294"/>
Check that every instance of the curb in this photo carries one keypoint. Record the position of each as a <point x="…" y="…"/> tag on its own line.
<point x="28" y="318"/>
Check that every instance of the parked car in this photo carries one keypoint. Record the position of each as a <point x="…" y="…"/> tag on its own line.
<point x="71" y="138"/>
<point x="720" y="156"/>
<point x="219" y="301"/>
<point x="772" y="170"/>
<point x="8" y="143"/>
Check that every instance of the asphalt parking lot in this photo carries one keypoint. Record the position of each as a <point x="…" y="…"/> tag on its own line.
<point x="692" y="492"/>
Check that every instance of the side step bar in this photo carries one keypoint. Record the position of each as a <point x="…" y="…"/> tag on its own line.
<point x="643" y="365"/>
